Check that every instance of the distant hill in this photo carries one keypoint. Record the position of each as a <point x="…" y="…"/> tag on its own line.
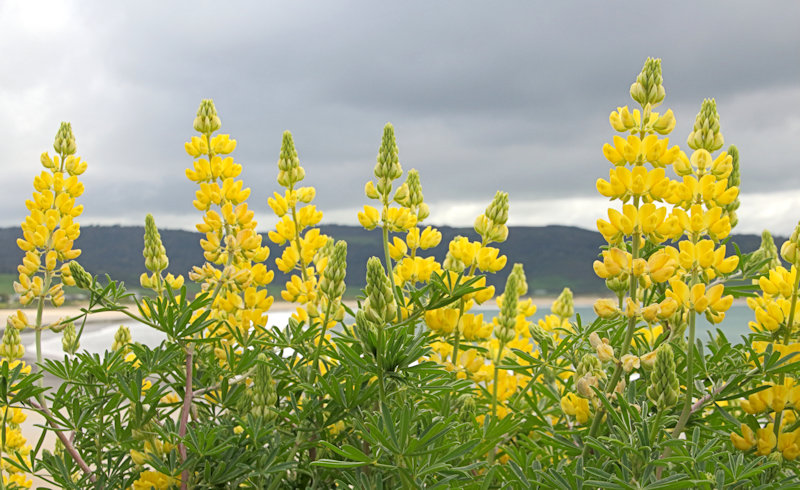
<point x="554" y="256"/>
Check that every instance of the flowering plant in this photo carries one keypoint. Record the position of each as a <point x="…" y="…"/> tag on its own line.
<point x="412" y="384"/>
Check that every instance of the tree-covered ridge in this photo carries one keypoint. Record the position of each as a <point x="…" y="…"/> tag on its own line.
<point x="117" y="251"/>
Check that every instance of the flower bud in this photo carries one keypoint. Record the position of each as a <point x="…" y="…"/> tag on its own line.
<point x="584" y="385"/>
<point x="370" y="190"/>
<point x="379" y="306"/>
<point x="605" y="352"/>
<point x="401" y="195"/>
<point x="423" y="212"/>
<point x="706" y="131"/>
<point x="263" y="391"/>
<point x="65" y="141"/>
<point x="121" y="339"/>
<point x="767" y="251"/>
<point x="155" y="255"/>
<point x="289" y="170"/>
<point x="12" y="348"/>
<point x="207" y="120"/>
<point x="606" y="308"/>
<point x="332" y="282"/>
<point x="665" y="123"/>
<point x="648" y="88"/>
<point x="366" y="332"/>
<point x="388" y="166"/>
<point x="69" y="340"/>
<point x="564" y="306"/>
<point x="540" y="336"/>
<point x="590" y="364"/>
<point x="664" y="385"/>
<point x="83" y="279"/>
<point x="505" y="328"/>
<point x="789" y="249"/>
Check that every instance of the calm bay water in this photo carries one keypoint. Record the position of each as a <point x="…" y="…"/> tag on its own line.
<point x="734" y="326"/>
<point x="99" y="338"/>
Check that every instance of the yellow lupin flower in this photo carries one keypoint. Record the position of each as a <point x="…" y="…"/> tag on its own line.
<point x="488" y="261"/>
<point x="576" y="406"/>
<point x="699" y="222"/>
<point x="398" y="248"/>
<point x="779" y="281"/>
<point x="369" y="218"/>
<point x="429" y="238"/>
<point x="442" y="320"/>
<point x="746" y="441"/>
<point x="473" y="327"/>
<point x="624" y="184"/>
<point x="765" y="440"/>
<point x="648" y="220"/>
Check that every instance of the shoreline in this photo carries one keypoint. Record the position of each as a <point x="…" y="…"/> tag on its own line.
<point x="51" y="314"/>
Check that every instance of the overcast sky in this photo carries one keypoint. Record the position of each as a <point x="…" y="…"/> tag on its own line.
<point x="483" y="96"/>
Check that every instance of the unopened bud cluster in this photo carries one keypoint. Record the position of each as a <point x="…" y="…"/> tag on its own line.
<point x="664" y="385"/>
<point x="491" y="225"/>
<point x="121" y="339"/>
<point x="332" y="283"/>
<point x="515" y="284"/>
<point x="207" y="120"/>
<point x="379" y="307"/>
<point x="648" y="88"/>
<point x="69" y="340"/>
<point x="289" y="170"/>
<point x="388" y="167"/>
<point x="263" y="391"/>
<point x="706" y="131"/>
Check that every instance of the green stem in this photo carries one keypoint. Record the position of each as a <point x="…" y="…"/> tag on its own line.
<point x="379" y="359"/>
<point x="389" y="268"/>
<point x="687" y="402"/>
<point x="626" y="345"/>
<point x="500" y="347"/>
<point x="322" y="336"/>
<point x="786" y="339"/>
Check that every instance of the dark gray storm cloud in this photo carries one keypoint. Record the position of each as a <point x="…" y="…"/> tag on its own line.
<point x="484" y="96"/>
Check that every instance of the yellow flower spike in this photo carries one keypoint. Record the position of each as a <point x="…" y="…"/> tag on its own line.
<point x="746" y="441"/>
<point x="369" y="218"/>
